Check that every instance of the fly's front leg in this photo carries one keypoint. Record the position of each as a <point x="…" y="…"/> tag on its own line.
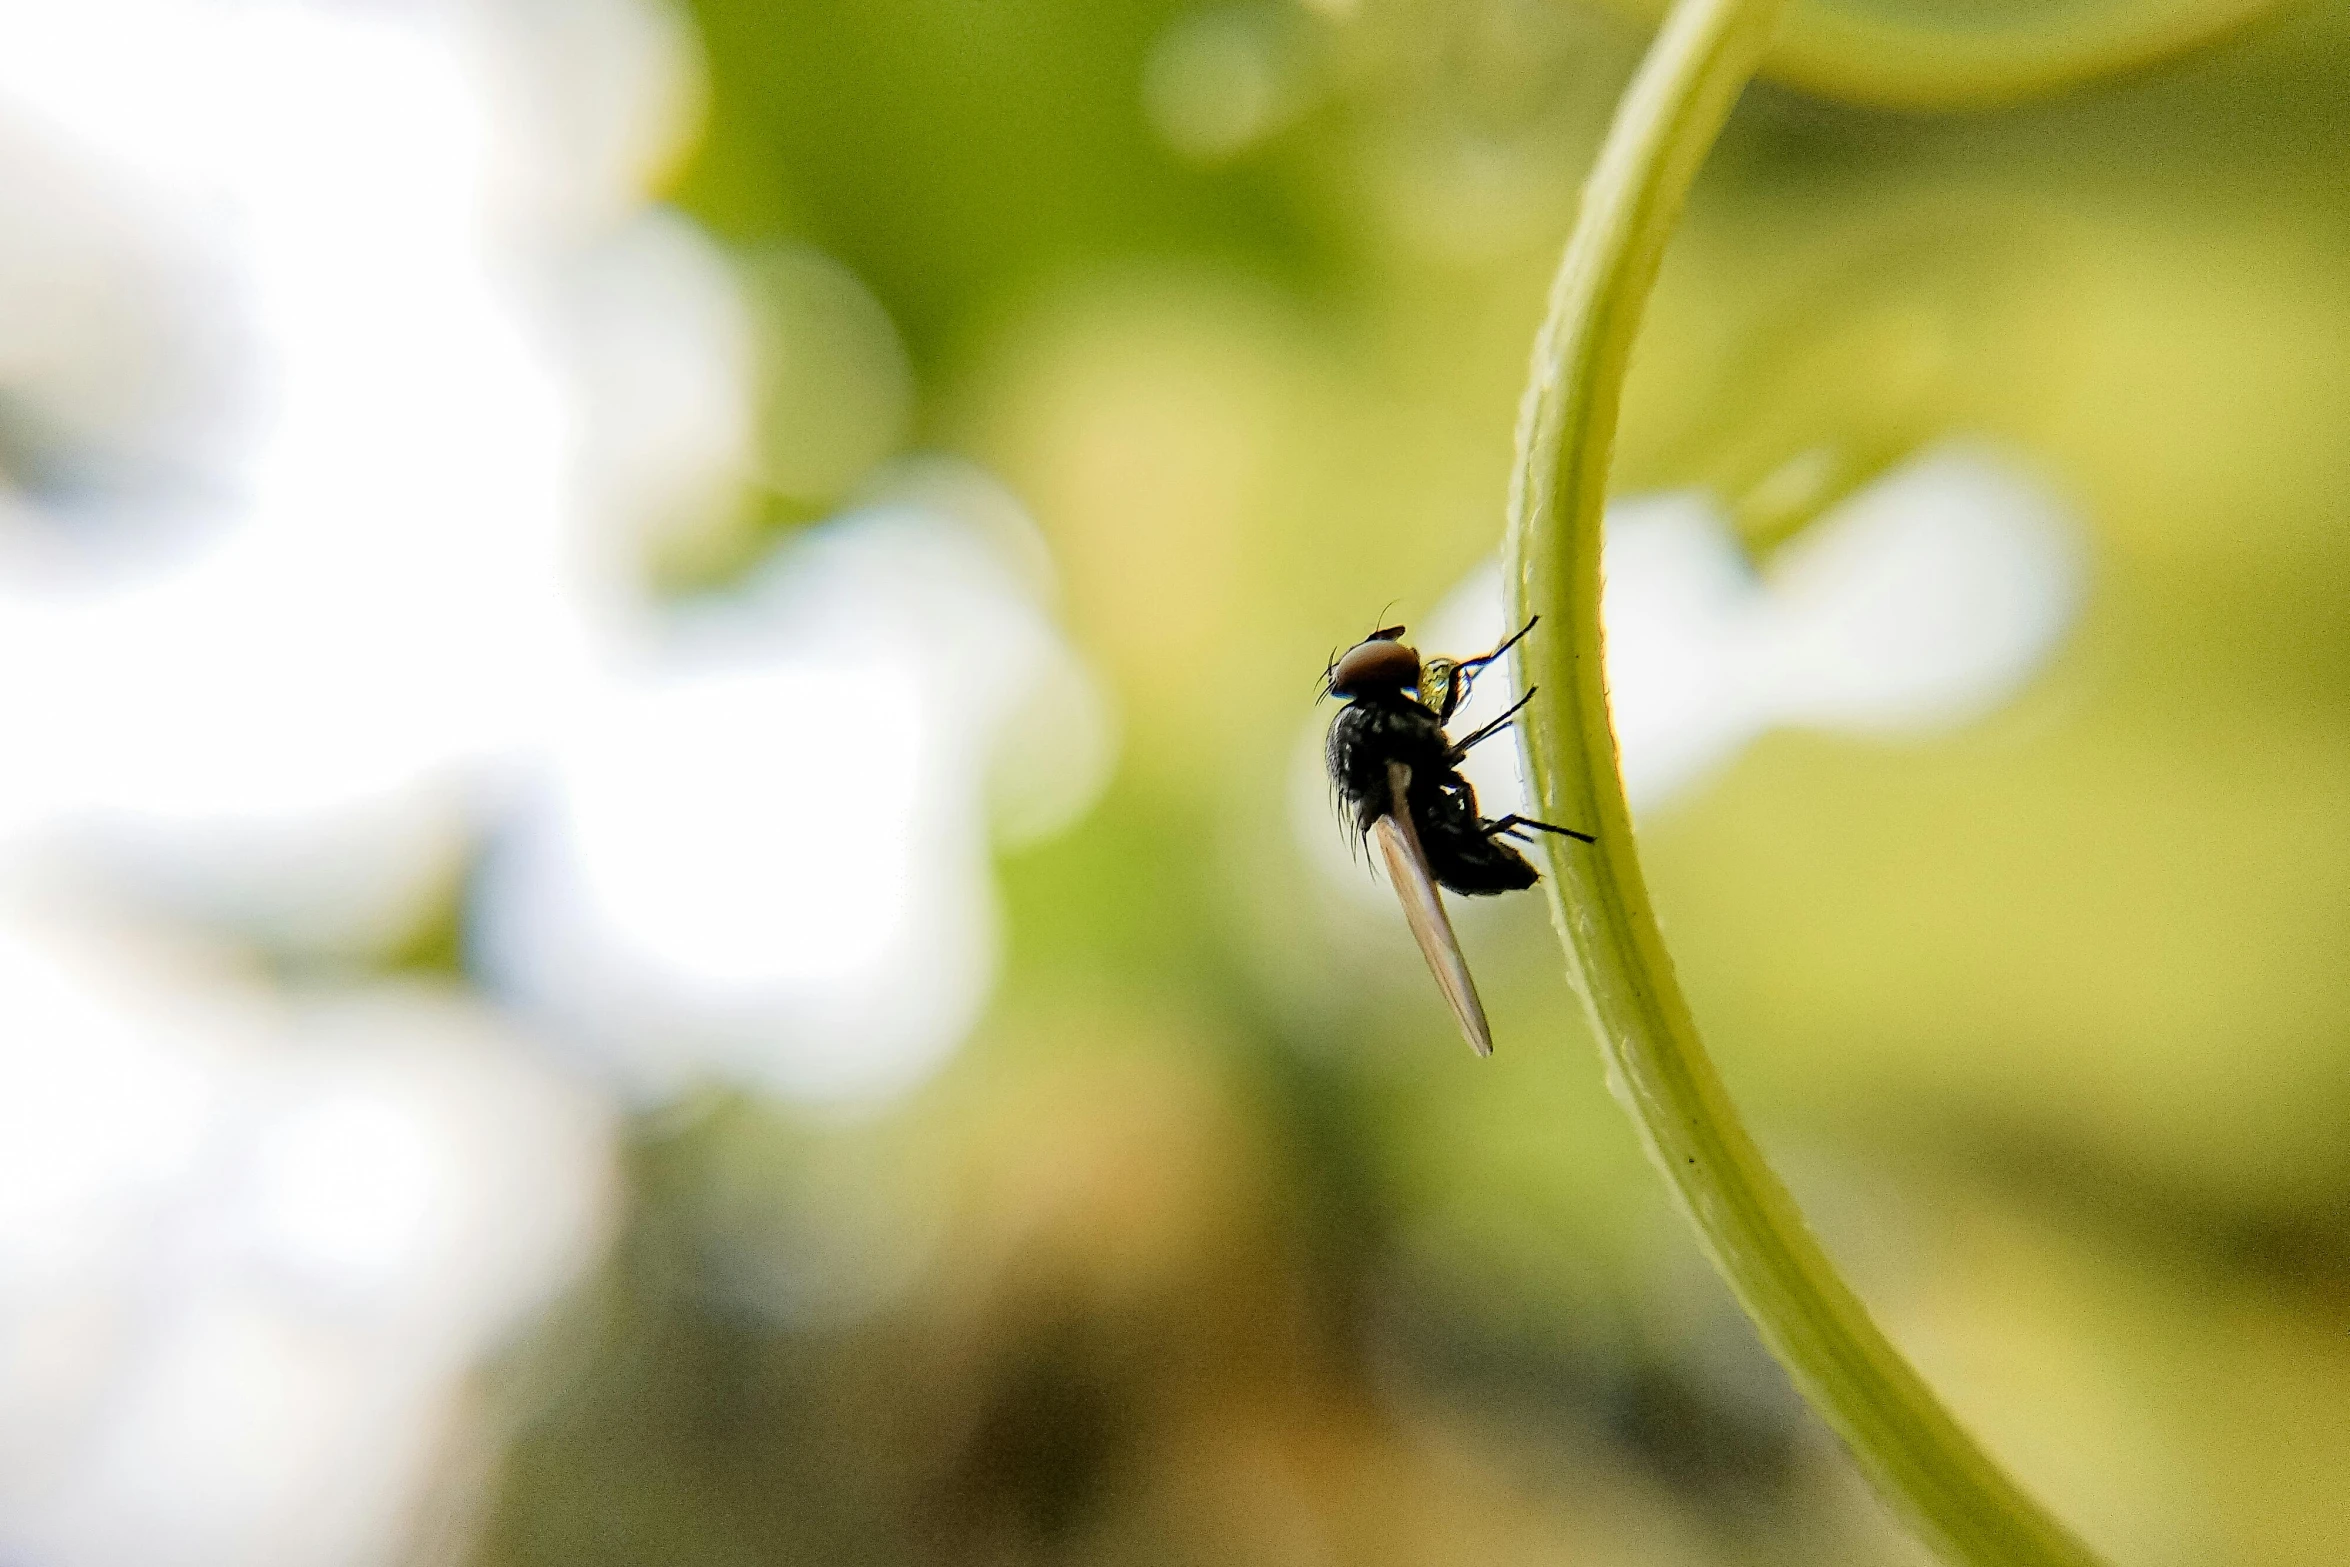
<point x="1460" y="676"/>
<point x="1482" y="659"/>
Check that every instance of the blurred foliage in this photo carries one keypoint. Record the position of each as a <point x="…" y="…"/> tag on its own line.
<point x="952" y="150"/>
<point x="1213" y="1246"/>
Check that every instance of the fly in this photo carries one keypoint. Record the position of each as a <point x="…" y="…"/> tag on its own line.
<point x="1399" y="775"/>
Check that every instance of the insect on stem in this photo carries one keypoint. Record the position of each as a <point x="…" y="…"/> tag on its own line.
<point x="1401" y="780"/>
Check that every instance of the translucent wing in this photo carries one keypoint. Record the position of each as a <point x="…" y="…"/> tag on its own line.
<point x="1423" y="910"/>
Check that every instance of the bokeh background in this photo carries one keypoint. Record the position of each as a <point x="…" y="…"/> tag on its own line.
<point x="663" y="893"/>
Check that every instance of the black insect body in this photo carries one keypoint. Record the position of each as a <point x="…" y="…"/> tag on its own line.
<point x="1399" y="774"/>
<point x="1466" y="853"/>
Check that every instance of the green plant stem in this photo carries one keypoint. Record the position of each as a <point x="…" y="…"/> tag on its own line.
<point x="1920" y="1460"/>
<point x="1846" y="52"/>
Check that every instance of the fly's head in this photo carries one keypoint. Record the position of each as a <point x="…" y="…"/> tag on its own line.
<point x="1379" y="665"/>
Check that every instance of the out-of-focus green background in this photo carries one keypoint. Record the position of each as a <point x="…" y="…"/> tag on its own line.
<point x="663" y="898"/>
<point x="1212" y="1245"/>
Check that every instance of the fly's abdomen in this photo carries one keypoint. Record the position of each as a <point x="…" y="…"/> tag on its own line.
<point x="1479" y="866"/>
<point x="1462" y="855"/>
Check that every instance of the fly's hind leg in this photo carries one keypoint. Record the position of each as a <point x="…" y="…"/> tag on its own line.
<point x="1513" y="825"/>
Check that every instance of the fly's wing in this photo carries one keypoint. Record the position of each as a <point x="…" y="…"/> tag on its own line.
<point x="1423" y="910"/>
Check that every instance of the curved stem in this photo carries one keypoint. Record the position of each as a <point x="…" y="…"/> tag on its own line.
<point x="1895" y="62"/>
<point x="1916" y="1454"/>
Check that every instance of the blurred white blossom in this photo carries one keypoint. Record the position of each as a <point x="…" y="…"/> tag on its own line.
<point x="253" y="1246"/>
<point x="349" y="381"/>
<point x="405" y="559"/>
<point x="764" y="858"/>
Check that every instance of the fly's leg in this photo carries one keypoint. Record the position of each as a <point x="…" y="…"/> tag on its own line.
<point x="1482" y="659"/>
<point x="1462" y="675"/>
<point x="1511" y="827"/>
<point x="1492" y="729"/>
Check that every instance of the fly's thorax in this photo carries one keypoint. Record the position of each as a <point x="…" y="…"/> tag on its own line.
<point x="1371" y="732"/>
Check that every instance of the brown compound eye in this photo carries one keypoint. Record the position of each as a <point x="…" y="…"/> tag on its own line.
<point x="1381" y="664"/>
